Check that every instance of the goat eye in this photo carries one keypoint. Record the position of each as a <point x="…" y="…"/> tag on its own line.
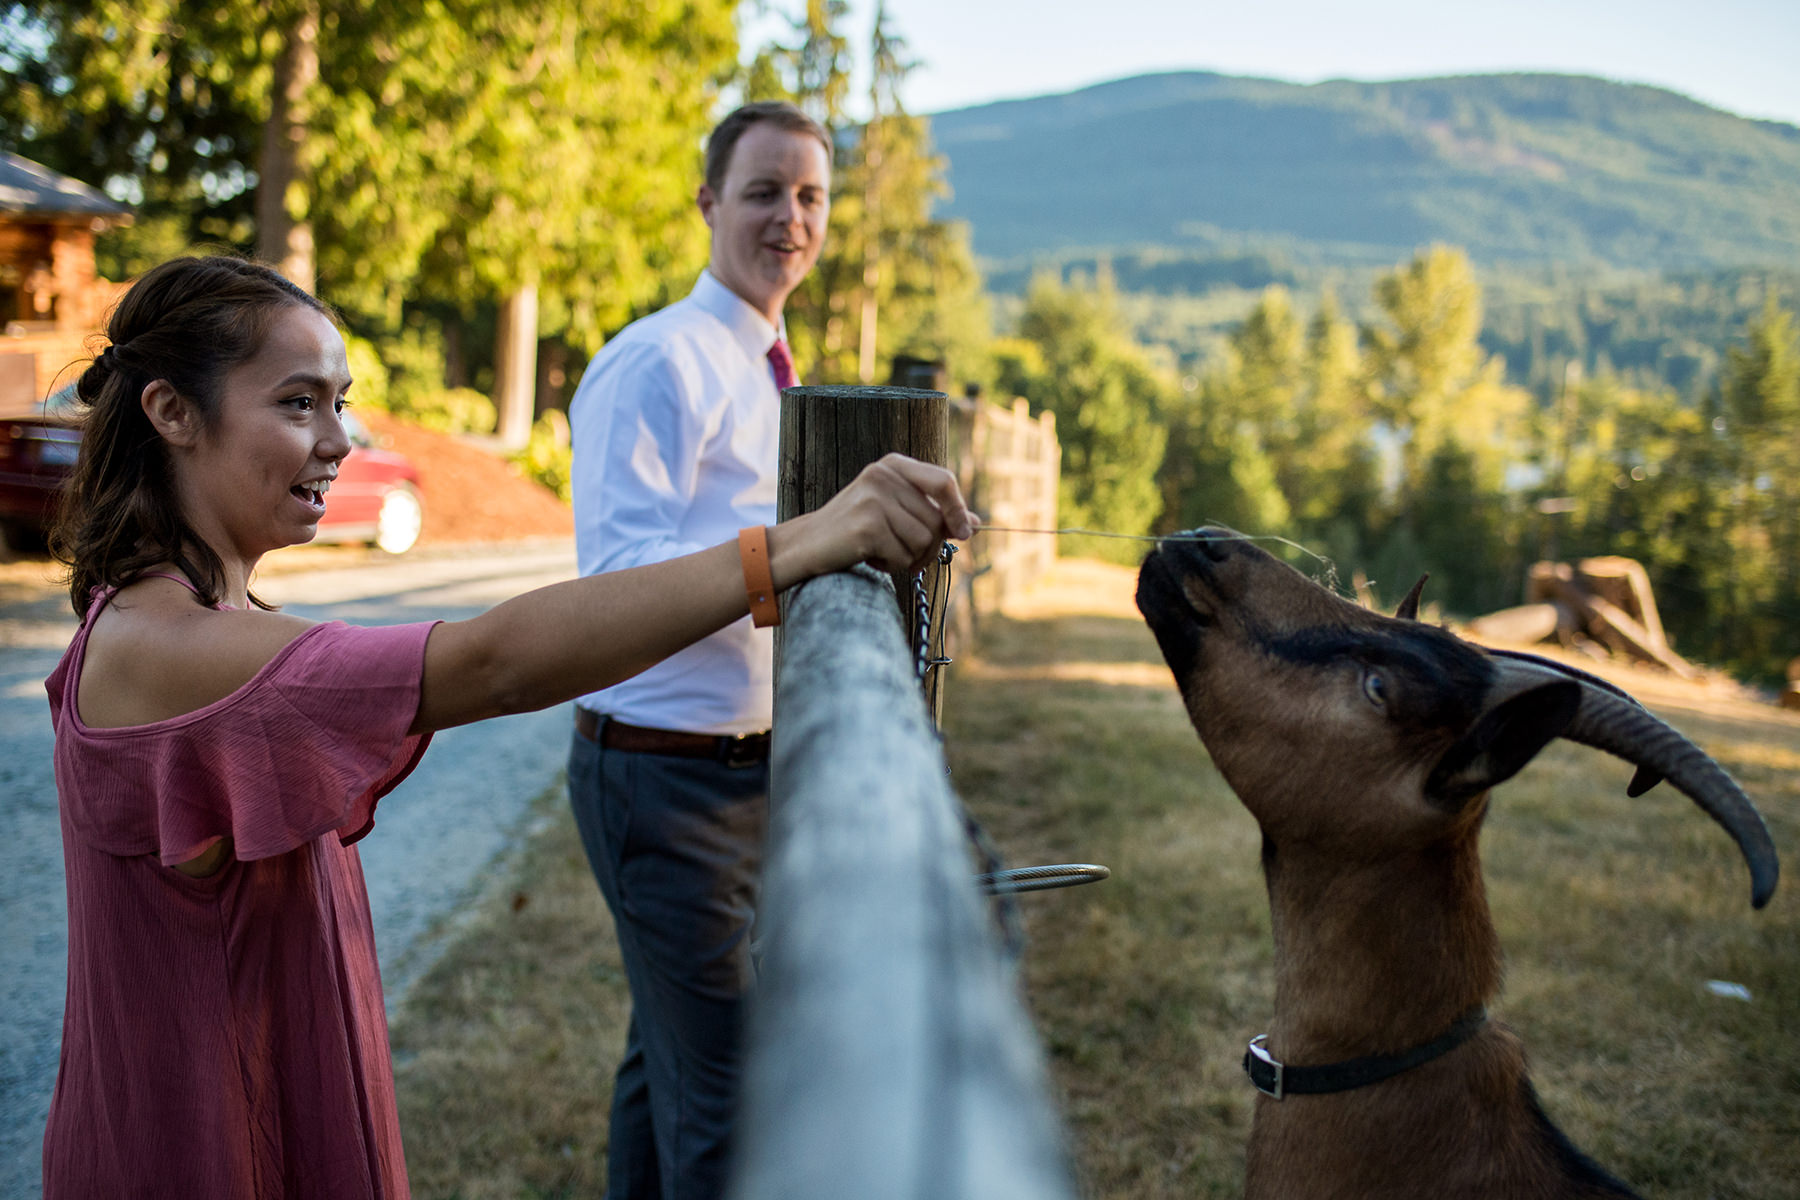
<point x="1375" y="688"/>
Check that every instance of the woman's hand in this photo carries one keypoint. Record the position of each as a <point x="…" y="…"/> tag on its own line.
<point x="893" y="514"/>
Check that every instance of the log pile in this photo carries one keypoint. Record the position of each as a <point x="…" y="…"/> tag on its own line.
<point x="1596" y="603"/>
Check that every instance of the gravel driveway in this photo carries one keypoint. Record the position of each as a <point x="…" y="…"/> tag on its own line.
<point x="437" y="837"/>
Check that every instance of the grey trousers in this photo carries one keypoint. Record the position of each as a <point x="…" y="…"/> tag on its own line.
<point x="676" y="845"/>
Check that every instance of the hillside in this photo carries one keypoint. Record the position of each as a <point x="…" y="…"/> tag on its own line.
<point x="1515" y="168"/>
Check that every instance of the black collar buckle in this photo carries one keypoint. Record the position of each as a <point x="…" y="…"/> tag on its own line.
<point x="1264" y="1071"/>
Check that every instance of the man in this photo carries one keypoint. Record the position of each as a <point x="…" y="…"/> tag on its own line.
<point x="675" y="428"/>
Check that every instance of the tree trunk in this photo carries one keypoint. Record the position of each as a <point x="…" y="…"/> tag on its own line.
<point x="871" y="275"/>
<point x="282" y="240"/>
<point x="515" y="366"/>
<point x="865" y="359"/>
<point x="552" y="375"/>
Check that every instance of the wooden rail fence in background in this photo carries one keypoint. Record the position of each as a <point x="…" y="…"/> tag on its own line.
<point x="1009" y="463"/>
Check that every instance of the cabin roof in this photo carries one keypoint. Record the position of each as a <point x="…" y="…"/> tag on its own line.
<point x="30" y="189"/>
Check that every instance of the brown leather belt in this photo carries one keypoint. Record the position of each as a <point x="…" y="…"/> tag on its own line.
<point x="734" y="750"/>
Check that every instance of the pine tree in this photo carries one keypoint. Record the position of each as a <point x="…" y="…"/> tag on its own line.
<point x="1705" y="494"/>
<point x="1222" y="465"/>
<point x="1278" y="438"/>
<point x="1430" y="381"/>
<point x="1334" y="479"/>
<point x="1759" y="422"/>
<point x="1455" y="428"/>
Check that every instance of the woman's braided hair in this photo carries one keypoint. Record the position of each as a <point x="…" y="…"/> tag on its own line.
<point x="188" y="322"/>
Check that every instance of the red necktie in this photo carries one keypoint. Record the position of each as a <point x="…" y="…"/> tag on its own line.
<point x="783" y="362"/>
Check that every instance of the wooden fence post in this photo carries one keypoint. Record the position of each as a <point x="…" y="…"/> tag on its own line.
<point x="828" y="434"/>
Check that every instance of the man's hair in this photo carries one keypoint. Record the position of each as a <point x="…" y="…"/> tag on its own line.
<point x="779" y="113"/>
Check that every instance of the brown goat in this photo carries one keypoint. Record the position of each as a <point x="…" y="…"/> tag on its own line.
<point x="1365" y="746"/>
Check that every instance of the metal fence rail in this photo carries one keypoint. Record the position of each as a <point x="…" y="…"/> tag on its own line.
<point x="890" y="1055"/>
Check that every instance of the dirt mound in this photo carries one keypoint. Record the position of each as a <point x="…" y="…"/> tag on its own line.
<point x="471" y="494"/>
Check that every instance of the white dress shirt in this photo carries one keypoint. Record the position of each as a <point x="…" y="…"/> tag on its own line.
<point x="675" y="428"/>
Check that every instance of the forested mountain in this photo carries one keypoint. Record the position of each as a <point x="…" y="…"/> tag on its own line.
<point x="1444" y="326"/>
<point x="1514" y="168"/>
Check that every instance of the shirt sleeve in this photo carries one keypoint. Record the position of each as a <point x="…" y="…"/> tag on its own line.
<point x="306" y="748"/>
<point x="637" y="431"/>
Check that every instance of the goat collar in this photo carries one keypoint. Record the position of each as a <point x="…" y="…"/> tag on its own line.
<point x="1277" y="1079"/>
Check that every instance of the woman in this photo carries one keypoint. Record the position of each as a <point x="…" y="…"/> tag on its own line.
<point x="224" y="1034"/>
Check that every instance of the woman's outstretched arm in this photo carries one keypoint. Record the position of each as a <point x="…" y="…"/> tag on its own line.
<point x="563" y="641"/>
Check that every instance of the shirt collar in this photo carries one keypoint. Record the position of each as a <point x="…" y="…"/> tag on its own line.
<point x="751" y="329"/>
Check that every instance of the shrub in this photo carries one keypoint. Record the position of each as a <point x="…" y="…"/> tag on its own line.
<point x="369" y="373"/>
<point x="446" y="410"/>
<point x="546" y="455"/>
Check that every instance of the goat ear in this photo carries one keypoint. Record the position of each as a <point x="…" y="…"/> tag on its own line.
<point x="1501" y="742"/>
<point x="1409" y="607"/>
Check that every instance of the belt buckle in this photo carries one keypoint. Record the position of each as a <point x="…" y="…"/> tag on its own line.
<point x="742" y="749"/>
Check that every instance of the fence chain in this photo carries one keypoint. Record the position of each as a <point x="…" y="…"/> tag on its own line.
<point x="1006" y="909"/>
<point x="995" y="880"/>
<point x="924" y="662"/>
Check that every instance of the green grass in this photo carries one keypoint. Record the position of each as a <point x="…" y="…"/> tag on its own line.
<point x="1067" y="740"/>
<point x="504" y="1051"/>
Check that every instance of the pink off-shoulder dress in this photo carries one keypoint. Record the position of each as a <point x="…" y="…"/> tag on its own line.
<point x="224" y="1037"/>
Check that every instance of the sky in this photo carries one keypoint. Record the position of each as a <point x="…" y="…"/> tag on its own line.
<point x="1739" y="55"/>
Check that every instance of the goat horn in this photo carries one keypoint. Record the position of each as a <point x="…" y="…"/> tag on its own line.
<point x="1612" y="721"/>
<point x="1645" y="778"/>
<point x="1409" y="607"/>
